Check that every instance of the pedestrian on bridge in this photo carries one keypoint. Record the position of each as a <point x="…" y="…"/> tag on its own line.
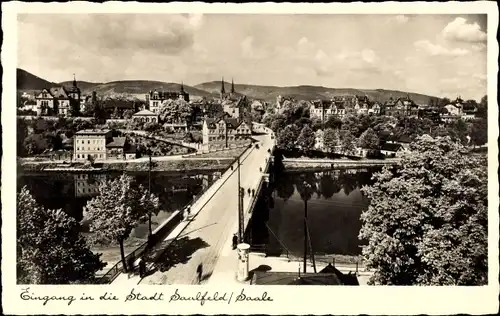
<point x="253" y="192"/>
<point x="142" y="267"/>
<point x="199" y="271"/>
<point x="235" y="241"/>
<point x="249" y="191"/>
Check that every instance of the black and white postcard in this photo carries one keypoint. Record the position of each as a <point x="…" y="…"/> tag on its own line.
<point x="250" y="158"/>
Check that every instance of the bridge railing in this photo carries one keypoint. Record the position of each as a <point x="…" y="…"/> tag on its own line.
<point x="112" y="273"/>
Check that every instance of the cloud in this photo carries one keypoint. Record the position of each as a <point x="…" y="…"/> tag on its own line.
<point x="438" y="50"/>
<point x="460" y="30"/>
<point x="250" y="51"/>
<point x="165" y="34"/>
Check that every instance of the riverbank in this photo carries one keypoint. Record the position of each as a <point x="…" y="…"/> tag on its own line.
<point x="304" y="164"/>
<point x="173" y="165"/>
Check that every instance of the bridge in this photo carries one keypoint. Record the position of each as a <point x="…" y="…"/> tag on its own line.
<point x="212" y="221"/>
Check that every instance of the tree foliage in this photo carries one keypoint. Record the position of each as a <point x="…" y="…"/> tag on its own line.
<point x="306" y="139"/>
<point x="479" y="132"/>
<point x="368" y="139"/>
<point x="175" y="111"/>
<point x="118" y="209"/>
<point x="50" y="248"/>
<point x="348" y="144"/>
<point x="287" y="138"/>
<point x="331" y="139"/>
<point x="427" y="221"/>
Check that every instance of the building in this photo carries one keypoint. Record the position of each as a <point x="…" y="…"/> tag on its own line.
<point x="91" y="143"/>
<point x="155" y="98"/>
<point x="145" y="116"/>
<point x="58" y="100"/>
<point x="319" y="140"/>
<point x="391" y="150"/>
<point x="459" y="110"/>
<point x="119" y="148"/>
<point x="400" y="107"/>
<point x="324" y="109"/>
<point x="101" y="145"/>
<point x="225" y="130"/>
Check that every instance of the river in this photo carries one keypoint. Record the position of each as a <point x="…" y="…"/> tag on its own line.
<point x="334" y="207"/>
<point x="71" y="191"/>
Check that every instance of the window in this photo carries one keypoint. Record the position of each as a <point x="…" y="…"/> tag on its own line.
<point x="88" y="141"/>
<point x="78" y="156"/>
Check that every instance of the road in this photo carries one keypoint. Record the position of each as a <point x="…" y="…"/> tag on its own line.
<point x="204" y="237"/>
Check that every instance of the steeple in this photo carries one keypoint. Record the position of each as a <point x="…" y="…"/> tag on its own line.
<point x="222" y="90"/>
<point x="232" y="85"/>
<point x="182" y="87"/>
<point x="74" y="80"/>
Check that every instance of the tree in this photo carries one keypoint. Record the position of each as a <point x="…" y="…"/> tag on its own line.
<point x="35" y="144"/>
<point x="331" y="139"/>
<point x="127" y="114"/>
<point x="333" y="122"/>
<point x="479" y="132"/>
<point x="368" y="140"/>
<point x="427" y="221"/>
<point x="151" y="203"/>
<point x="348" y="143"/>
<point x="174" y="111"/>
<point x="482" y="107"/>
<point x="50" y="248"/>
<point x="117" y="210"/>
<point x="287" y="138"/>
<point x="306" y="139"/>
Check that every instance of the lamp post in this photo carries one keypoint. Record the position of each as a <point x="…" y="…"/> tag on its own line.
<point x="240" y="206"/>
<point x="149" y="190"/>
<point x="306" y="192"/>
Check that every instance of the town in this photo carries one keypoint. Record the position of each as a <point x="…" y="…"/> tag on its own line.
<point x="194" y="174"/>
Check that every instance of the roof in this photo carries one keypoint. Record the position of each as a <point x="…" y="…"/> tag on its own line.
<point x="145" y="113"/>
<point x="292" y="278"/>
<point x="391" y="147"/>
<point x="93" y="132"/>
<point x="347" y="279"/>
<point x="117" y="142"/>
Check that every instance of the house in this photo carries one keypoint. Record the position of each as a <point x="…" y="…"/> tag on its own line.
<point x="225" y="129"/>
<point x="177" y="127"/>
<point x="401" y="107"/>
<point x="101" y="145"/>
<point x="58" y="100"/>
<point x="237" y="109"/>
<point x="324" y="109"/>
<point x="391" y="150"/>
<point x="155" y="98"/>
<point x="402" y="140"/>
<point x="145" y="116"/>
<point x="319" y="140"/>
<point x="91" y="143"/>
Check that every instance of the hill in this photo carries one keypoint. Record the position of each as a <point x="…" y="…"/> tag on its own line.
<point x="141" y="87"/>
<point x="305" y="92"/>
<point x="138" y="89"/>
<point x="83" y="85"/>
<point x="27" y="81"/>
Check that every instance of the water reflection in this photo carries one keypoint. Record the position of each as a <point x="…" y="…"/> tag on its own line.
<point x="70" y="192"/>
<point x="334" y="207"/>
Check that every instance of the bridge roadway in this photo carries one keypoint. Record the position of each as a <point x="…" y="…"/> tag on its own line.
<point x="205" y="236"/>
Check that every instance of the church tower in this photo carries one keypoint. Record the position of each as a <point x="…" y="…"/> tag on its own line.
<point x="232" y="86"/>
<point x="222" y="89"/>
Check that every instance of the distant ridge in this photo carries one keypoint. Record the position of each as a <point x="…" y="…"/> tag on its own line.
<point x="138" y="88"/>
<point x="28" y="81"/>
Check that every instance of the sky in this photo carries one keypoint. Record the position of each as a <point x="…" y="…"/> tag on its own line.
<point x="439" y="55"/>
